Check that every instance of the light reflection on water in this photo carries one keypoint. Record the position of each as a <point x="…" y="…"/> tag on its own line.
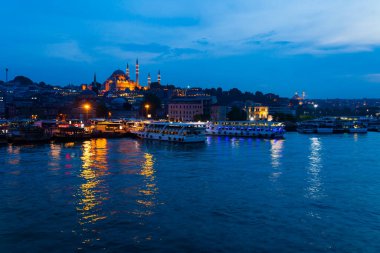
<point x="13" y="154"/>
<point x="94" y="190"/>
<point x="314" y="189"/>
<point x="149" y="189"/>
<point x="276" y="155"/>
<point x="124" y="195"/>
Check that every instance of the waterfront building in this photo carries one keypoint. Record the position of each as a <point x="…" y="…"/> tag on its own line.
<point x="119" y="81"/>
<point x="259" y="112"/>
<point x="185" y="108"/>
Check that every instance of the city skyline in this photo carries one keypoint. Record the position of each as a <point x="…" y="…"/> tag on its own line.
<point x="328" y="50"/>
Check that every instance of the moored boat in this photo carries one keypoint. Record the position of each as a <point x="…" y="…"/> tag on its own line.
<point x="357" y="127"/>
<point x="3" y="138"/>
<point x="107" y="128"/>
<point x="329" y="125"/>
<point x="324" y="129"/>
<point x="257" y="129"/>
<point x="70" y="133"/>
<point x="28" y="133"/>
<point x="3" y="132"/>
<point x="307" y="128"/>
<point x="173" y="132"/>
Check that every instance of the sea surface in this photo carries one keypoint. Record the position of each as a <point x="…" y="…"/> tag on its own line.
<point x="307" y="193"/>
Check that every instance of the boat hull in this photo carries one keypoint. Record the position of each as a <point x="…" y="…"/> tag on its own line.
<point x="358" y="130"/>
<point x="306" y="131"/>
<point x="171" y="138"/>
<point x="325" y="130"/>
<point x="253" y="134"/>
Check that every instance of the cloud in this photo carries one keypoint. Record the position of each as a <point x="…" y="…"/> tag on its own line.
<point x="68" y="50"/>
<point x="148" y="53"/>
<point x="118" y="52"/>
<point x="151" y="47"/>
<point x="373" y="78"/>
<point x="295" y="26"/>
<point x="163" y="30"/>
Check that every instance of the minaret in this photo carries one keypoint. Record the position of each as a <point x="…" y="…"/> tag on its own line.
<point x="137" y="71"/>
<point x="95" y="79"/>
<point x="127" y="71"/>
<point x="159" y="77"/>
<point x="149" y="80"/>
<point x="6" y="75"/>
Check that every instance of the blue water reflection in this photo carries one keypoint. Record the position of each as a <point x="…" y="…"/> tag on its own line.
<point x="305" y="193"/>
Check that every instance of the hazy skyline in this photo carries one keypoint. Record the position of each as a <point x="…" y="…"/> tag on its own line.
<point x="328" y="49"/>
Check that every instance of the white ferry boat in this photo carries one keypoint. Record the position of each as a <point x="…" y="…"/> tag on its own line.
<point x="173" y="132"/>
<point x="258" y="129"/>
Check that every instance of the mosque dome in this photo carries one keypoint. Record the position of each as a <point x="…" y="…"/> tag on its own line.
<point x="118" y="75"/>
<point x="118" y="72"/>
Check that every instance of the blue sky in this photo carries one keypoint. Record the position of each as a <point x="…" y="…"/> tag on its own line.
<point x="327" y="48"/>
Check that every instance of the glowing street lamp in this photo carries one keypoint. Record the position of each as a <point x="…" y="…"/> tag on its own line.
<point x="147" y="106"/>
<point x="87" y="107"/>
<point x="315" y="109"/>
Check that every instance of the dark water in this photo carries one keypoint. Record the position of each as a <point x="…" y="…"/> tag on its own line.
<point x="303" y="194"/>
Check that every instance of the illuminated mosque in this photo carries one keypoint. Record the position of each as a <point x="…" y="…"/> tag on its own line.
<point x="120" y="81"/>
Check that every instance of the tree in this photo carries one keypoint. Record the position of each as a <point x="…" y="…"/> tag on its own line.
<point x="236" y="114"/>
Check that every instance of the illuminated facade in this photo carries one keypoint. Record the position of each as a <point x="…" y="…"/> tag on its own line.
<point x="120" y="80"/>
<point x="258" y="112"/>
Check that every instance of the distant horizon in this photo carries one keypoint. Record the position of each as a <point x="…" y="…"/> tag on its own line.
<point x="101" y="80"/>
<point x="327" y="49"/>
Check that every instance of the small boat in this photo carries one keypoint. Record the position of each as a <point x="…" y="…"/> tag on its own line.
<point x="28" y="134"/>
<point x="173" y="132"/>
<point x="3" y="132"/>
<point x="325" y="129"/>
<point x="328" y="125"/>
<point x="70" y="134"/>
<point x="3" y="138"/>
<point x="357" y="127"/>
<point x="307" y="128"/>
<point x="107" y="128"/>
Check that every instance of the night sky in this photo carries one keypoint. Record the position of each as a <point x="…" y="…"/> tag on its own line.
<point x="328" y="49"/>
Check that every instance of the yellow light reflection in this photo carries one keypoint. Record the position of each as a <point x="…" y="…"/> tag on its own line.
<point x="69" y="144"/>
<point x="93" y="192"/>
<point x="55" y="151"/>
<point x="149" y="189"/>
<point x="55" y="156"/>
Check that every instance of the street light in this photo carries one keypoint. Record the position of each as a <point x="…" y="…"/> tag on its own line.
<point x="87" y="107"/>
<point x="315" y="109"/>
<point x="147" y="106"/>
